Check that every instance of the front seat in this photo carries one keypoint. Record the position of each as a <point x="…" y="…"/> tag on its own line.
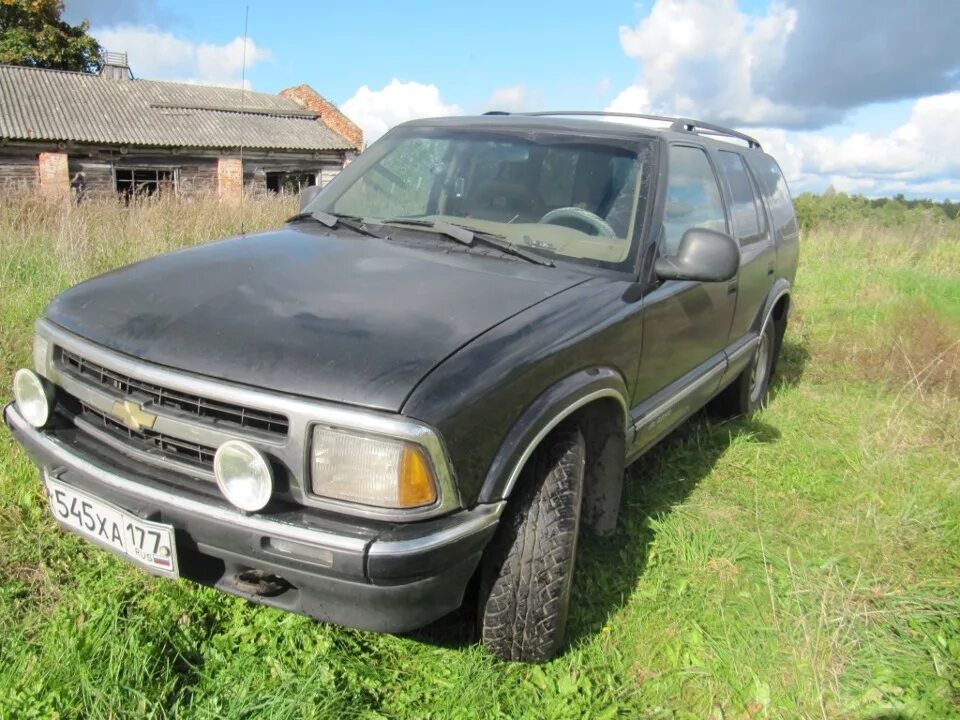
<point x="506" y="197"/>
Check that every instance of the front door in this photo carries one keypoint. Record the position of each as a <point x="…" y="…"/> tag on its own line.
<point x="686" y="324"/>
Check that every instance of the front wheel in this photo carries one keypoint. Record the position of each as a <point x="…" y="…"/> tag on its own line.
<point x="527" y="573"/>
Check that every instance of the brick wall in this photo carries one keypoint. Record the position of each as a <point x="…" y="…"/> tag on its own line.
<point x="229" y="179"/>
<point x="306" y="97"/>
<point x="54" y="174"/>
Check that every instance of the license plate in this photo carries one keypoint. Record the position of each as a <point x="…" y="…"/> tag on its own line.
<point x="147" y="543"/>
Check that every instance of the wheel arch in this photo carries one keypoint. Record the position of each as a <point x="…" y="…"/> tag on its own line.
<point x="777" y="305"/>
<point x="778" y="312"/>
<point x="596" y="399"/>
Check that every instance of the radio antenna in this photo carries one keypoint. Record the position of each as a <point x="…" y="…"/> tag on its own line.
<point x="243" y="97"/>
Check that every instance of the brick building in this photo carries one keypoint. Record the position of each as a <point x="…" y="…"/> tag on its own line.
<point x="111" y="133"/>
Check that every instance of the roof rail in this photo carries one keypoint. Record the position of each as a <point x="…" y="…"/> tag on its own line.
<point x="676" y="124"/>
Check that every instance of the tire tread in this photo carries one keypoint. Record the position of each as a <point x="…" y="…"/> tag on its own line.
<point x="525" y="584"/>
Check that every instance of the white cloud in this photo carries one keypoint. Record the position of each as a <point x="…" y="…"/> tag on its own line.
<point x="376" y="111"/>
<point x="515" y="98"/>
<point x="635" y="99"/>
<point x="689" y="68"/>
<point x="921" y="156"/>
<point x="926" y="146"/>
<point x="801" y="64"/>
<point x="158" y="55"/>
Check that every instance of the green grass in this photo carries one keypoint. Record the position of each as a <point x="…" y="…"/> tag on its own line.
<point x="802" y="563"/>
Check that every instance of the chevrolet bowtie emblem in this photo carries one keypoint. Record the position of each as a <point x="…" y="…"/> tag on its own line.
<point x="132" y="415"/>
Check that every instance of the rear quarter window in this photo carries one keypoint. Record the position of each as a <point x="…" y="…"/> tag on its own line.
<point x="746" y="213"/>
<point x="775" y="192"/>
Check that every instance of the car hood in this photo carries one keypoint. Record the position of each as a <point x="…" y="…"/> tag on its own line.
<point x="339" y="317"/>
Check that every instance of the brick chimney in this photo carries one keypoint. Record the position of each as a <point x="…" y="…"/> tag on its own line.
<point x="114" y="65"/>
<point x="308" y="98"/>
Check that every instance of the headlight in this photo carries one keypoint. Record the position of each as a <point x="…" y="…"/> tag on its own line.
<point x="34" y="397"/>
<point x="369" y="469"/>
<point x="243" y="475"/>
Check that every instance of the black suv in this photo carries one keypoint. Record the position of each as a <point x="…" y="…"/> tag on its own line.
<point x="422" y="387"/>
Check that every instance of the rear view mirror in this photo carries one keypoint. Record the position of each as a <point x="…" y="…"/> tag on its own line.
<point x="307" y="194"/>
<point x="704" y="255"/>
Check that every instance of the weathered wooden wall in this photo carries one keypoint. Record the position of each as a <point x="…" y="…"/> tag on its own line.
<point x="196" y="170"/>
<point x="18" y="170"/>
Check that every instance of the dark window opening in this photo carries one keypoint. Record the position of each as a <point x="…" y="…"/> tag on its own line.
<point x="775" y="192"/>
<point x="289" y="183"/>
<point x="746" y="218"/>
<point x="143" y="182"/>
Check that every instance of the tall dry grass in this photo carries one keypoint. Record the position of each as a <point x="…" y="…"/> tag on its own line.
<point x="881" y="306"/>
<point x="48" y="245"/>
<point x="98" y="235"/>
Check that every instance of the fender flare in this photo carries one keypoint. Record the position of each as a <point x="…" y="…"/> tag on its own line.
<point x="548" y="410"/>
<point x="779" y="289"/>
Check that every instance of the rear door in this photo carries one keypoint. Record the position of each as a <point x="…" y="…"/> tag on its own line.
<point x="758" y="254"/>
<point x="686" y="324"/>
<point x="776" y="197"/>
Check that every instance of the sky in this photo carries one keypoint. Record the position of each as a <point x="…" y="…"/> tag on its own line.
<point x="863" y="95"/>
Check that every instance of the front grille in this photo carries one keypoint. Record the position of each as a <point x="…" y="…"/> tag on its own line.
<point x="214" y="411"/>
<point x="151" y="441"/>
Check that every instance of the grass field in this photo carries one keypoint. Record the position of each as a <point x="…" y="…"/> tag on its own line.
<point x="801" y="563"/>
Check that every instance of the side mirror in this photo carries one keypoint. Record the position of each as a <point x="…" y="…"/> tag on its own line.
<point x="307" y="194"/>
<point x="704" y="255"/>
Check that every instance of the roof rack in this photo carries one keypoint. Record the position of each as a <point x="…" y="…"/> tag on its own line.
<point x="676" y="124"/>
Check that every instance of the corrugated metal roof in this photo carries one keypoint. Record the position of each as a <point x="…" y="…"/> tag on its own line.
<point x="38" y="104"/>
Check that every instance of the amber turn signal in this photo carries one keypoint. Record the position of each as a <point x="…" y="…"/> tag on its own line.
<point x="416" y="480"/>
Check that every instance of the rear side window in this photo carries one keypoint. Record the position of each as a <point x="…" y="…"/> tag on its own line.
<point x="775" y="192"/>
<point x="746" y="213"/>
<point x="693" y="197"/>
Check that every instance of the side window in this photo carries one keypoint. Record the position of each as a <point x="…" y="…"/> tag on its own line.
<point x="746" y="218"/>
<point x="775" y="192"/>
<point x="693" y="197"/>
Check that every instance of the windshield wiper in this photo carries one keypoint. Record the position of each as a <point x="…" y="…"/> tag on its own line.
<point x="332" y="220"/>
<point x="468" y="236"/>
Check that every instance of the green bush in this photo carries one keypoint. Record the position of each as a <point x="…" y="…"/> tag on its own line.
<point x="835" y="208"/>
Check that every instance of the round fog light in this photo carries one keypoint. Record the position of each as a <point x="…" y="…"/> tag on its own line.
<point x="243" y="475"/>
<point x="34" y="398"/>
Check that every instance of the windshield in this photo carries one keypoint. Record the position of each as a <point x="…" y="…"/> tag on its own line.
<point x="564" y="196"/>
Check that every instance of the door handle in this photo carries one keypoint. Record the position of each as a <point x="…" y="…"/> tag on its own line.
<point x="731" y="289"/>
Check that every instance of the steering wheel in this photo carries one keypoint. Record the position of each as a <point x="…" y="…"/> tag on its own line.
<point x="575" y="218"/>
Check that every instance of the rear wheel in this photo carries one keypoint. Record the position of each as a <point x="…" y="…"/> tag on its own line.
<point x="749" y="391"/>
<point x="527" y="573"/>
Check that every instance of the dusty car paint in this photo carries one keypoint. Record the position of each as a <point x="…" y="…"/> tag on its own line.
<point x="336" y="317"/>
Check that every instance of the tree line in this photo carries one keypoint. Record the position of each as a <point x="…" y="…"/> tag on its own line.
<point x="837" y="208"/>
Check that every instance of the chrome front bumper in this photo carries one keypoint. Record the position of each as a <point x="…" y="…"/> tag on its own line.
<point x="362" y="573"/>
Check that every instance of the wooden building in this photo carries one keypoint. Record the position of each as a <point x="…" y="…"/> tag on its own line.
<point x="63" y="132"/>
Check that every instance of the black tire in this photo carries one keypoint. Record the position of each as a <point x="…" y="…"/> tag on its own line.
<point x="527" y="572"/>
<point x="749" y="391"/>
